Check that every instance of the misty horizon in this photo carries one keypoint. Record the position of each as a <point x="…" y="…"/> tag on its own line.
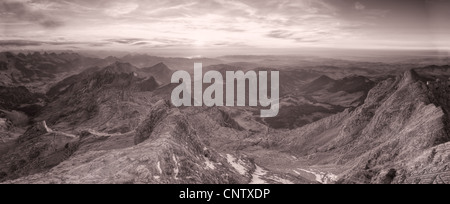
<point x="347" y="54"/>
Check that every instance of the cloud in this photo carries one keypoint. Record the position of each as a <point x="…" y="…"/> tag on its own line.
<point x="185" y="23"/>
<point x="119" y="9"/>
<point x="377" y="13"/>
<point x="302" y="40"/>
<point x="370" y="13"/>
<point x="283" y="34"/>
<point x="34" y="43"/>
<point x="359" y="6"/>
<point x="98" y="44"/>
<point x="126" y="40"/>
<point x="170" y="9"/>
<point x="149" y="42"/>
<point x="305" y="37"/>
<point x="51" y="24"/>
<point x="19" y="43"/>
<point x="18" y="10"/>
<point x="193" y="24"/>
<point x="141" y="43"/>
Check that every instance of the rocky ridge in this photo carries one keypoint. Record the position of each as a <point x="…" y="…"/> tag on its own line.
<point x="401" y="119"/>
<point x="168" y="151"/>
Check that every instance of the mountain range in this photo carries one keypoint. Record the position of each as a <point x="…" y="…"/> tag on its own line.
<point x="66" y="118"/>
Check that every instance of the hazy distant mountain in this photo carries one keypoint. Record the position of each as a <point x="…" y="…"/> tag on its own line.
<point x="435" y="72"/>
<point x="349" y="85"/>
<point x="174" y="63"/>
<point x="426" y="61"/>
<point x="37" y="71"/>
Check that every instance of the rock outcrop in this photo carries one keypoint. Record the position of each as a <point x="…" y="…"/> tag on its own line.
<point x="5" y="124"/>
<point x="37" y="150"/>
<point x="158" y="113"/>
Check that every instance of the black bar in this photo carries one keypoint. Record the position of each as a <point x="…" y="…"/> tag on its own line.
<point x="131" y="194"/>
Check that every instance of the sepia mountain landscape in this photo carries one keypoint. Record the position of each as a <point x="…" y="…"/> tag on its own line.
<point x="364" y="92"/>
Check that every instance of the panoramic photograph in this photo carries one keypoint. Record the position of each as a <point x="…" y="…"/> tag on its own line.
<point x="224" y="92"/>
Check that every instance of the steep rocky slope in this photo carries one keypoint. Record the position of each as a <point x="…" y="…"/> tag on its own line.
<point x="316" y="99"/>
<point x="5" y="127"/>
<point x="401" y="119"/>
<point x="37" y="71"/>
<point x="107" y="101"/>
<point x="307" y="96"/>
<point x="21" y="99"/>
<point x="168" y="151"/>
<point x="161" y="72"/>
<point x="38" y="149"/>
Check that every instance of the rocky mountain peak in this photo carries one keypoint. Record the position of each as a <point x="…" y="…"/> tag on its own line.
<point x="158" y="68"/>
<point x="160" y="71"/>
<point x="161" y="65"/>
<point x="36" y="54"/>
<point x="409" y="77"/>
<point x="120" y="67"/>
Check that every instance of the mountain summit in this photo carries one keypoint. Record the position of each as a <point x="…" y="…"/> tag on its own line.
<point x="161" y="72"/>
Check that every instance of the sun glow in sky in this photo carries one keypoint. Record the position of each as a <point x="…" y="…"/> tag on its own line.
<point x="142" y="25"/>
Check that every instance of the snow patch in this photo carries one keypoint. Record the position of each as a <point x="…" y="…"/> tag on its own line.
<point x="175" y="170"/>
<point x="321" y="177"/>
<point x="102" y="134"/>
<point x="256" y="177"/>
<point x="236" y="164"/>
<point x="281" y="180"/>
<point x="158" y="166"/>
<point x="46" y="127"/>
<point x="209" y="164"/>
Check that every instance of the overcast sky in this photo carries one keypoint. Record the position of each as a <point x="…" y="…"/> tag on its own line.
<point x="140" y="25"/>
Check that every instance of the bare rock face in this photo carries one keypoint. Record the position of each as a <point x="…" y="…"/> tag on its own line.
<point x="4" y="124"/>
<point x="409" y="77"/>
<point x="6" y="130"/>
<point x="158" y="113"/>
<point x="38" y="129"/>
<point x="37" y="150"/>
<point x="224" y="119"/>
